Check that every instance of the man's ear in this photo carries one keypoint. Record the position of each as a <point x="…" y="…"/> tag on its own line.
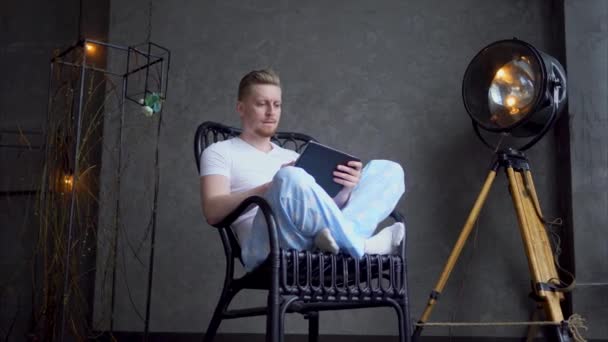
<point x="239" y="108"/>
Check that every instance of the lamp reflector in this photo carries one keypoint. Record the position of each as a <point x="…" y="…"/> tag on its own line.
<point x="511" y="93"/>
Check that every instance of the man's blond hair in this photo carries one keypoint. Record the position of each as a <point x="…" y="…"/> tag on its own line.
<point x="264" y="76"/>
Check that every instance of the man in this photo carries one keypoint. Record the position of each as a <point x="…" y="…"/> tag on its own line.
<point x="251" y="164"/>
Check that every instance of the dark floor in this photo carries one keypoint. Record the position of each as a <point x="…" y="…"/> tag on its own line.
<point x="192" y="337"/>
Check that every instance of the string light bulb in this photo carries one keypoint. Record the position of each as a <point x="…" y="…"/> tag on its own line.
<point x="90" y="48"/>
<point x="68" y="182"/>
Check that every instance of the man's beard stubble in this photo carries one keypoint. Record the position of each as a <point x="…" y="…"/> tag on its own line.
<point x="266" y="133"/>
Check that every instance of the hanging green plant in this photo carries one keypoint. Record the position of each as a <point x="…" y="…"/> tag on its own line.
<point x="151" y="104"/>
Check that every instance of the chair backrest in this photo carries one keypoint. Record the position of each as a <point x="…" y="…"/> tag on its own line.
<point x="210" y="132"/>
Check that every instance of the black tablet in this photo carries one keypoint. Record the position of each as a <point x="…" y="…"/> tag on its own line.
<point x="321" y="161"/>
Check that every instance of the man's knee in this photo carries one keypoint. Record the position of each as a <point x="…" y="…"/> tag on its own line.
<point x="387" y="168"/>
<point x="294" y="176"/>
<point x="389" y="171"/>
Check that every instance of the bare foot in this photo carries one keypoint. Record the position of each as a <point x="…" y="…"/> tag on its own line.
<point x="325" y="242"/>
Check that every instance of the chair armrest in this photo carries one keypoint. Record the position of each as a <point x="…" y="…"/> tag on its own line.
<point x="395" y="215"/>
<point x="275" y="253"/>
<point x="268" y="216"/>
<point x="398" y="217"/>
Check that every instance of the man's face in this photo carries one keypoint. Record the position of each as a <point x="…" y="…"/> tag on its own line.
<point x="260" y="110"/>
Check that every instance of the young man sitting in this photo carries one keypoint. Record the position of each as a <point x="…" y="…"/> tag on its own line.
<point x="307" y="217"/>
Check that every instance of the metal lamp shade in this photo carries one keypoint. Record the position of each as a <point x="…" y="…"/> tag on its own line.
<point x="509" y="87"/>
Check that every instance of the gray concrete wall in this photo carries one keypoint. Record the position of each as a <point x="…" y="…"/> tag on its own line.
<point x="587" y="53"/>
<point x="380" y="79"/>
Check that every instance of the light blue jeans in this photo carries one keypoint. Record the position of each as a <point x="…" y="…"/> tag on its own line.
<point x="302" y="209"/>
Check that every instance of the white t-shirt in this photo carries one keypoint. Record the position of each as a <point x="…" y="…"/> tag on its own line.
<point x="245" y="167"/>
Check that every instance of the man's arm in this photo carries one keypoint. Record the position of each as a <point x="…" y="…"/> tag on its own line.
<point x="342" y="197"/>
<point x="217" y="201"/>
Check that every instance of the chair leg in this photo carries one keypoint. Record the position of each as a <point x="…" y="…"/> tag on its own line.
<point x="273" y="318"/>
<point x="313" y="326"/>
<point x="282" y="311"/>
<point x="407" y="323"/>
<point x="403" y="330"/>
<point x="222" y="304"/>
<point x="281" y="335"/>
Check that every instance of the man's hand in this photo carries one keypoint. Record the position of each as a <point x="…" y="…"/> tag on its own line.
<point x="291" y="163"/>
<point x="350" y="175"/>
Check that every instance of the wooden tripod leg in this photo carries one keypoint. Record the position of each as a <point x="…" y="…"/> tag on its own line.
<point x="462" y="238"/>
<point x="536" y="242"/>
<point x="537" y="210"/>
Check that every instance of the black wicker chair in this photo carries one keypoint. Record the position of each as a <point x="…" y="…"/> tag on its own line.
<point x="303" y="281"/>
